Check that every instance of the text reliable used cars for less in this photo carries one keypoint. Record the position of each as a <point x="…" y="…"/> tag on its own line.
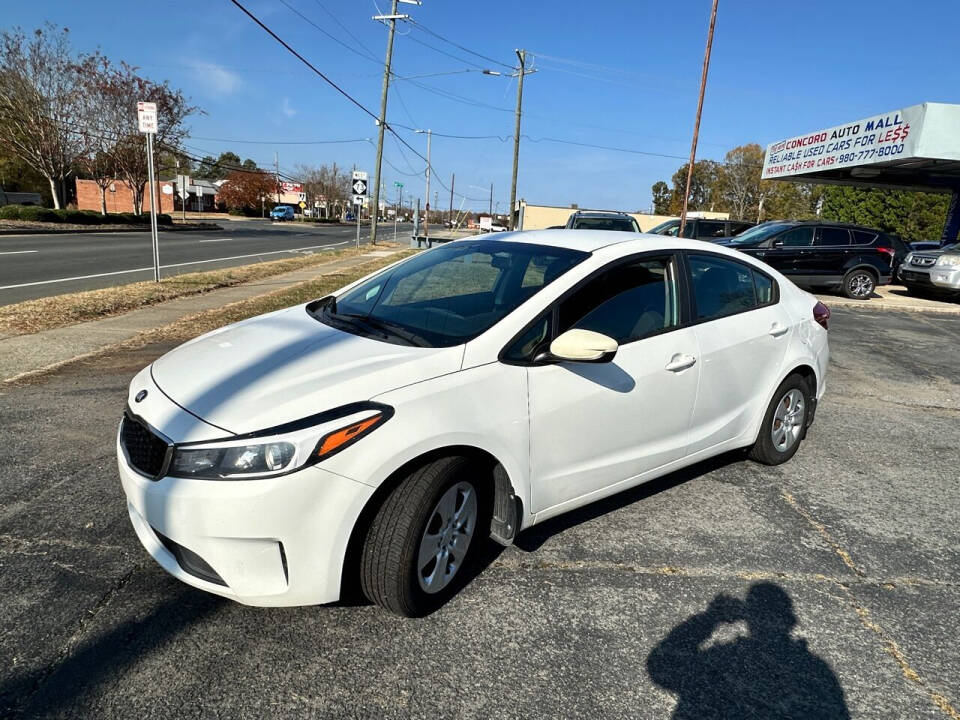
<point x="378" y="434"/>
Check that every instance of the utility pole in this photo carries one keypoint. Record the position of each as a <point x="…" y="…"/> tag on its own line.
<point x="453" y="179"/>
<point x="519" y="74"/>
<point x="491" y="202"/>
<point x="522" y="54"/>
<point x="276" y="167"/>
<point x="696" y="125"/>
<point x="381" y="123"/>
<point x="426" y="198"/>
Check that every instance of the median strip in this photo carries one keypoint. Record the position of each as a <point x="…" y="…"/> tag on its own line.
<point x="33" y="316"/>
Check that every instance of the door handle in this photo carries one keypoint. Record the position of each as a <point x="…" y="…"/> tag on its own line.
<point x="776" y="330"/>
<point x="680" y="362"/>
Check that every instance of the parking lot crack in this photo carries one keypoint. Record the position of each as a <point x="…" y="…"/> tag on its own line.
<point x="890" y="646"/>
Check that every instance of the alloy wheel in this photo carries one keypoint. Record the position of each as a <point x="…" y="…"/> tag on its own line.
<point x="788" y="421"/>
<point x="861" y="285"/>
<point x="447" y="537"/>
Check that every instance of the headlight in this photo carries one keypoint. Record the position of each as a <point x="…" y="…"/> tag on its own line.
<point x="948" y="261"/>
<point x="908" y="258"/>
<point x="281" y="450"/>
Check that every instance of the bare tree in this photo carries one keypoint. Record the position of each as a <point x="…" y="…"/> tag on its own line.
<point x="40" y="103"/>
<point x="121" y="88"/>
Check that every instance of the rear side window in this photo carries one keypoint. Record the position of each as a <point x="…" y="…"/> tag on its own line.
<point x="707" y="229"/>
<point x="724" y="287"/>
<point x="862" y="237"/>
<point x="627" y="302"/>
<point x="833" y="236"/>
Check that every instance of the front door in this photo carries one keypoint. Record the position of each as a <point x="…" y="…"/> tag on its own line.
<point x="594" y="427"/>
<point x="787" y="249"/>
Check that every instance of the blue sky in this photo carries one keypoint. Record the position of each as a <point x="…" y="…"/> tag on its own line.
<point x="621" y="74"/>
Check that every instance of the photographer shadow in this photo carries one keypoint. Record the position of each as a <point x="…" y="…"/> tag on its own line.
<point x="766" y="673"/>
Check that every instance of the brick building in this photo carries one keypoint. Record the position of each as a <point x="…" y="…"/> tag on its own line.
<point x="120" y="197"/>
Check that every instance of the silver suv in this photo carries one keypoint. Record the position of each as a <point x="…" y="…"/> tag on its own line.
<point x="932" y="271"/>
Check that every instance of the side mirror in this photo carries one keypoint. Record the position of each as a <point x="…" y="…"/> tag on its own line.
<point x="581" y="346"/>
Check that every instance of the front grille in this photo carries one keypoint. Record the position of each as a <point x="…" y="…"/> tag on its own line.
<point x="145" y="451"/>
<point x="922" y="261"/>
<point x="187" y="559"/>
<point x="915" y="277"/>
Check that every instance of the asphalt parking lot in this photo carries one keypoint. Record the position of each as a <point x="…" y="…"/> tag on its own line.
<point x="827" y="587"/>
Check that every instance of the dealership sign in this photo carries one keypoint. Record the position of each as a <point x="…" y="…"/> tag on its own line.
<point x="929" y="130"/>
<point x="291" y="187"/>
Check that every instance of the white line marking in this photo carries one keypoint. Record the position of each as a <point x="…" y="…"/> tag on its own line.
<point x="218" y="240"/>
<point x="162" y="267"/>
<point x="18" y="252"/>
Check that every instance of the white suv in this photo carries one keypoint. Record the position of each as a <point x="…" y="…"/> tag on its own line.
<point x="475" y="389"/>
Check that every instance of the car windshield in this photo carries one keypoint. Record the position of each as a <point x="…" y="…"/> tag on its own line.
<point x="758" y="233"/>
<point x="622" y="224"/>
<point x="448" y="295"/>
<point x="659" y="229"/>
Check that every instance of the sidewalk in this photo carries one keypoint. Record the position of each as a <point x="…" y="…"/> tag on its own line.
<point x="26" y="354"/>
<point x="894" y="297"/>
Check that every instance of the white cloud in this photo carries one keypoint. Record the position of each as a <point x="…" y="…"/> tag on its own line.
<point x="287" y="108"/>
<point x="217" y="79"/>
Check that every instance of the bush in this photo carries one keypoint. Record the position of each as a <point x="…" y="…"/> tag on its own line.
<point x="39" y="214"/>
<point x="10" y="212"/>
<point x="163" y="219"/>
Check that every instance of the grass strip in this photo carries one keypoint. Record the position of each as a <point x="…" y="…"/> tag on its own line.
<point x="47" y="313"/>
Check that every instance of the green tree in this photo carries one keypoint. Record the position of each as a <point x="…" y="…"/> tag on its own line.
<point x="912" y="215"/>
<point x="661" y="198"/>
<point x="704" y="189"/>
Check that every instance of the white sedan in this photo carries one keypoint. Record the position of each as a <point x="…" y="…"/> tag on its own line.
<point x="376" y="436"/>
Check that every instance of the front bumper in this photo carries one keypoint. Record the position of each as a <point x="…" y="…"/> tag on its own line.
<point x="933" y="277"/>
<point x="271" y="542"/>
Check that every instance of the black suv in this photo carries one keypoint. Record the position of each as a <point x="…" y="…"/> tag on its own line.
<point x="838" y="256"/>
<point x="702" y="228"/>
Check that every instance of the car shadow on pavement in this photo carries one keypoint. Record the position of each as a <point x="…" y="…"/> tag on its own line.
<point x="52" y="690"/>
<point x="762" y="673"/>
<point x="532" y="539"/>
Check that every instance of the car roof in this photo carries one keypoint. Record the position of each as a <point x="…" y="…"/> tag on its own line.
<point x="593" y="240"/>
<point x="821" y="221"/>
<point x="600" y="213"/>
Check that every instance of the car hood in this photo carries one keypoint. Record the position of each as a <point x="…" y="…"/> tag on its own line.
<point x="286" y="365"/>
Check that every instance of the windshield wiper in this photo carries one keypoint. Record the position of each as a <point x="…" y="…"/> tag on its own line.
<point x="395" y="330"/>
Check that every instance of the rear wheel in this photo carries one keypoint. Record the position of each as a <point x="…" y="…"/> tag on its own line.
<point x="422" y="537"/>
<point x="784" y="423"/>
<point x="859" y="284"/>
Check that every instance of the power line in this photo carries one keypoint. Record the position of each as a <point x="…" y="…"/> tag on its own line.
<point x="330" y="82"/>
<point x="425" y="29"/>
<point x="280" y="142"/>
<point x="338" y="41"/>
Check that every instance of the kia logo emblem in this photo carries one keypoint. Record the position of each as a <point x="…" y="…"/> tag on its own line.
<point x="140" y="396"/>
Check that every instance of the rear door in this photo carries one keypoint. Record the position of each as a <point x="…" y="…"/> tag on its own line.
<point x="824" y="262"/>
<point x="742" y="331"/>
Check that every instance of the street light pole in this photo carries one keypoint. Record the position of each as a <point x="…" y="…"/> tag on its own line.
<point x="696" y="125"/>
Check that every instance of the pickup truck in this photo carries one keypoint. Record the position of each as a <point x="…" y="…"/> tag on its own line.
<point x="20" y="198"/>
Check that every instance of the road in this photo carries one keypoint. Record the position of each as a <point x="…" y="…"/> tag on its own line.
<point x="33" y="266"/>
<point x="615" y="610"/>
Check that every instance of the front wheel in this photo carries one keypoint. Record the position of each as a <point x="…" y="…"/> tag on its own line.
<point x="859" y="284"/>
<point x="784" y="423"/>
<point x="422" y="537"/>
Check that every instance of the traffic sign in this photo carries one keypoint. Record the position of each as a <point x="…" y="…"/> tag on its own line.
<point x="398" y="184"/>
<point x="359" y="182"/>
<point x="302" y="204"/>
<point x="359" y="199"/>
<point x="147" y="117"/>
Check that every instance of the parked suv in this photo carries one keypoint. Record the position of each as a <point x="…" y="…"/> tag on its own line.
<point x="600" y="220"/>
<point x="702" y="229"/>
<point x="813" y="254"/>
<point x="932" y="271"/>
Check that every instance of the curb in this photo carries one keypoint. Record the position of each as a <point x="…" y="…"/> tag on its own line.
<point x="94" y="231"/>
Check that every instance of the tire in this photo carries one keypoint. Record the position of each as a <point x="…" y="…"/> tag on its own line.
<point x="859" y="284"/>
<point x="405" y="529"/>
<point x="768" y="451"/>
